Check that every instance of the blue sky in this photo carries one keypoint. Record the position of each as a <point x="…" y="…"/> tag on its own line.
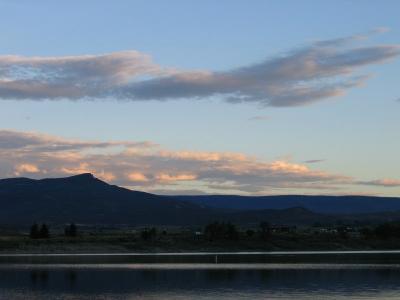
<point x="353" y="136"/>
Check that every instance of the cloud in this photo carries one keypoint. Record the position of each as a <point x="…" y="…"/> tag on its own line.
<point x="148" y="166"/>
<point x="26" y="168"/>
<point x="302" y="76"/>
<point x="14" y="140"/>
<point x="179" y="192"/>
<point x="314" y="161"/>
<point x="259" y="118"/>
<point x="387" y="182"/>
<point x="71" y="77"/>
<point x="137" y="177"/>
<point x="162" y="177"/>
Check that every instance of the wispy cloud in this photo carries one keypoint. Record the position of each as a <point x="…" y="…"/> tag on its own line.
<point x="259" y="118"/>
<point x="314" y="161"/>
<point x="301" y="76"/>
<point x="386" y="182"/>
<point x="31" y="141"/>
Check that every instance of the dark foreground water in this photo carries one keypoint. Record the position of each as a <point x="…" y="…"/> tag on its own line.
<point x="318" y="280"/>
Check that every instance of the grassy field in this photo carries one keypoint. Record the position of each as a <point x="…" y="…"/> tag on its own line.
<point x="128" y="242"/>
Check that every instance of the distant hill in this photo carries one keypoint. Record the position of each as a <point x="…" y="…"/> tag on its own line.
<point x="288" y="216"/>
<point x="319" y="204"/>
<point x="302" y="216"/>
<point x="86" y="199"/>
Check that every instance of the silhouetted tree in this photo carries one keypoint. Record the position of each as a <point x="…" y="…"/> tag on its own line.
<point x="249" y="232"/>
<point x="44" y="232"/>
<point x="213" y="231"/>
<point x="265" y="230"/>
<point x="71" y="230"/>
<point x="342" y="232"/>
<point x="153" y="233"/>
<point x="231" y="232"/>
<point x="149" y="234"/>
<point x="144" y="235"/>
<point x="388" y="230"/>
<point x="34" y="232"/>
<point x="218" y="231"/>
<point x="366" y="232"/>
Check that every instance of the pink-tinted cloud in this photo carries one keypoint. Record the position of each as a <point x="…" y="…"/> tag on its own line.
<point x="321" y="70"/>
<point x="148" y="166"/>
<point x="164" y="177"/>
<point x="137" y="177"/>
<point x="386" y="182"/>
<point x="26" y="168"/>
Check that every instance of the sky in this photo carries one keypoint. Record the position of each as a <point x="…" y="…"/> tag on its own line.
<point x="203" y="97"/>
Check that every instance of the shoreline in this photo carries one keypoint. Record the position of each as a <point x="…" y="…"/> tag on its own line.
<point x="390" y="257"/>
<point x="338" y="252"/>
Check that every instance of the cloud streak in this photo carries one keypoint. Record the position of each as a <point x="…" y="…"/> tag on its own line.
<point x="314" y="161"/>
<point x="259" y="118"/>
<point x="30" y="141"/>
<point x="386" y="182"/>
<point x="302" y="76"/>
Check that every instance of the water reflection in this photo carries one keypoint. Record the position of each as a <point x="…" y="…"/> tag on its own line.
<point x="190" y="281"/>
<point x="71" y="277"/>
<point x="39" y="277"/>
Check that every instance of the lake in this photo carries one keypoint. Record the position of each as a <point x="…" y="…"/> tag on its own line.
<point x="277" y="275"/>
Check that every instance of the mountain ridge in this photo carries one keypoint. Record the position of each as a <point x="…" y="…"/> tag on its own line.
<point x="86" y="199"/>
<point x="351" y="204"/>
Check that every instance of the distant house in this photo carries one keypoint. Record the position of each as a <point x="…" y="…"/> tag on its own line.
<point x="327" y="230"/>
<point x="198" y="234"/>
<point x="283" y="229"/>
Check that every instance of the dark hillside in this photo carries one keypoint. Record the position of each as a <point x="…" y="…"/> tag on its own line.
<point x="86" y="199"/>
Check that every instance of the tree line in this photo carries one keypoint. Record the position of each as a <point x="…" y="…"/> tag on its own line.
<point x="228" y="231"/>
<point x="43" y="231"/>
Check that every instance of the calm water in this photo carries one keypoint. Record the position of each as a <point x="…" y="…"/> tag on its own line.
<point x="274" y="280"/>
